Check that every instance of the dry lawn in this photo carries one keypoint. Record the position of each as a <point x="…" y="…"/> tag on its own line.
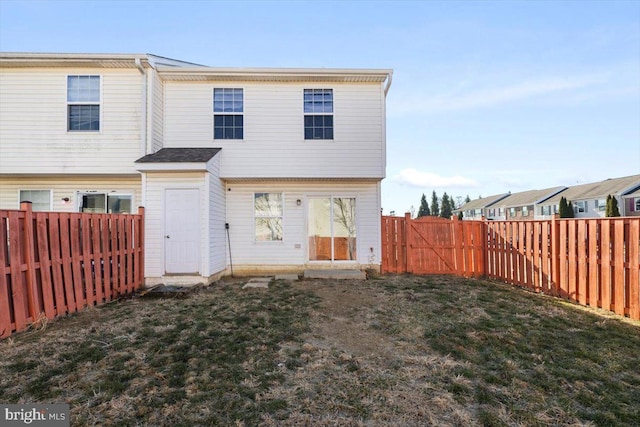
<point x="392" y="351"/>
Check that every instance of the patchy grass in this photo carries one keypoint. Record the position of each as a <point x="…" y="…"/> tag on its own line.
<point x="400" y="350"/>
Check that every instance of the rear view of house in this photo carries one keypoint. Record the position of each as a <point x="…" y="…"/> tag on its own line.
<point x="255" y="169"/>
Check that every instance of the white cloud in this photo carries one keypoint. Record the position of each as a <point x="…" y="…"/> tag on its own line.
<point x="463" y="99"/>
<point x="415" y="178"/>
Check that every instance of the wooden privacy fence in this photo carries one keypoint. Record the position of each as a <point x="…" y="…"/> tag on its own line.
<point x="594" y="262"/>
<point x="55" y="263"/>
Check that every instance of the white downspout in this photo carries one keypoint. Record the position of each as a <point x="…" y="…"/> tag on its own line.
<point x="143" y="113"/>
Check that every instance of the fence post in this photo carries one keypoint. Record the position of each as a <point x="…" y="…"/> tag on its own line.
<point x="457" y="235"/>
<point x="30" y="261"/>
<point x="141" y="257"/>
<point x="555" y="253"/>
<point x="408" y="240"/>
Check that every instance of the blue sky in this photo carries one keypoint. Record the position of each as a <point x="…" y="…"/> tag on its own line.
<point x="487" y="97"/>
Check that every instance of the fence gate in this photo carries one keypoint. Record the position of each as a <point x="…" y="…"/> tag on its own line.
<point x="432" y="245"/>
<point x="430" y="240"/>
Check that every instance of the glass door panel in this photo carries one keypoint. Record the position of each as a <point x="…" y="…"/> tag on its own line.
<point x="344" y="229"/>
<point x="319" y="229"/>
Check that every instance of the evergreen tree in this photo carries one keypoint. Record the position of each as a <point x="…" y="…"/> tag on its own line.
<point x="570" y="212"/>
<point x="563" y="208"/>
<point x="445" y="211"/>
<point x="467" y="199"/>
<point x="435" y="207"/>
<point x="612" y="207"/>
<point x="460" y="215"/>
<point x="424" y="207"/>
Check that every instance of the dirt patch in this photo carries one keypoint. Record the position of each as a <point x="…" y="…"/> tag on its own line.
<point x="342" y="318"/>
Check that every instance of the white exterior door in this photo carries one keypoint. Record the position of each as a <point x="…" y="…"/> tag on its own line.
<point x="182" y="231"/>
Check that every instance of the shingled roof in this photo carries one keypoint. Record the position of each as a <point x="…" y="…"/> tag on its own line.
<point x="598" y="190"/>
<point x="180" y="155"/>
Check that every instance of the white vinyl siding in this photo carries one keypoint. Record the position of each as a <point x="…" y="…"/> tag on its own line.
<point x="157" y="104"/>
<point x="217" y="237"/>
<point x="65" y="190"/>
<point x="293" y="250"/>
<point x="33" y="123"/>
<point x="274" y="144"/>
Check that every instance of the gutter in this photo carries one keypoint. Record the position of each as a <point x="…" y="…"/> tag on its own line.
<point x="388" y="85"/>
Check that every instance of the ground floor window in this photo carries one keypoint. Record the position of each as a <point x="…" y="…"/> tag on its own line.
<point x="332" y="229"/>
<point x="105" y="203"/>
<point x="268" y="213"/>
<point x="40" y="199"/>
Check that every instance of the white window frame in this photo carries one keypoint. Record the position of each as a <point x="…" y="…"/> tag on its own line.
<point x="106" y="194"/>
<point x="601" y="205"/>
<point x="525" y="211"/>
<point x="636" y="204"/>
<point x="256" y="217"/>
<point x="50" y="208"/>
<point x="228" y="113"/>
<point x="71" y="103"/>
<point x="314" y="114"/>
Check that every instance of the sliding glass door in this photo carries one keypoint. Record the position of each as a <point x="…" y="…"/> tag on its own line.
<point x="332" y="229"/>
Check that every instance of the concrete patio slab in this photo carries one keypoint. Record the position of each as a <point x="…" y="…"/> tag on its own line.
<point x="258" y="282"/>
<point x="291" y="277"/>
<point x="335" y="274"/>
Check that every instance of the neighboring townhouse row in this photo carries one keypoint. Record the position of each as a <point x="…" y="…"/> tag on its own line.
<point x="588" y="200"/>
<point x="272" y="169"/>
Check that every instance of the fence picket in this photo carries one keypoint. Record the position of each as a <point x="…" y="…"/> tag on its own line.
<point x="44" y="257"/>
<point x="582" y="285"/>
<point x="634" y="269"/>
<point x="594" y="265"/>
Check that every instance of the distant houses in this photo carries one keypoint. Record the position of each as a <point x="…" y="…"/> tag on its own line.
<point x="588" y="201"/>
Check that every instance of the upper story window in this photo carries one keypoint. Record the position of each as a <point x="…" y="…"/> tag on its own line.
<point x="601" y="205"/>
<point x="318" y="114"/>
<point x="580" y="206"/>
<point x="83" y="103"/>
<point x="228" y="120"/>
<point x="512" y="212"/>
<point x="637" y="204"/>
<point x="525" y="211"/>
<point x="40" y="199"/>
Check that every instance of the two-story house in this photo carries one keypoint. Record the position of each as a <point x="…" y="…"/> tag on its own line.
<point x="251" y="169"/>
<point x="479" y="209"/>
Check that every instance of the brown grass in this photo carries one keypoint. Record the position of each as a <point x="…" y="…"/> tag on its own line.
<point x="397" y="351"/>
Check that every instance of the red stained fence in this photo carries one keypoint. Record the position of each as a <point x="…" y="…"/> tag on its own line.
<point x="52" y="264"/>
<point x="594" y="262"/>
